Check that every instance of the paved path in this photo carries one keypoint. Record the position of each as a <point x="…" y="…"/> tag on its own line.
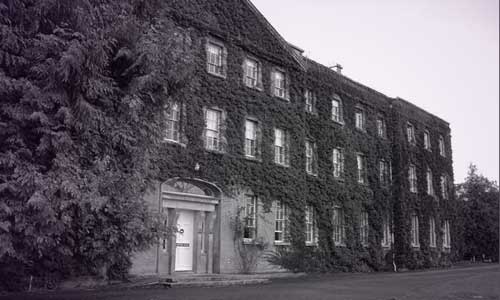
<point x="473" y="283"/>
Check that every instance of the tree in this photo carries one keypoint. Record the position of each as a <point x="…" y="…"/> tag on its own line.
<point x="479" y="216"/>
<point x="83" y="85"/>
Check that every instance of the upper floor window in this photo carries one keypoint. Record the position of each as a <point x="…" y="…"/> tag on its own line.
<point x="412" y="178"/>
<point x="363" y="228"/>
<point x="430" y="186"/>
<point x="337" y="110"/>
<point x="252" y="73"/>
<point x="386" y="232"/>
<point x="359" y="115"/>
<point x="361" y="162"/>
<point x="280" y="232"/>
<point x="432" y="233"/>
<point x="173" y="116"/>
<point x="442" y="147"/>
<point x="381" y="128"/>
<point x="338" y="226"/>
<point x="338" y="163"/>
<point x="216" y="58"/>
<point x="311" y="158"/>
<point x="279" y="84"/>
<point x="310" y="101"/>
<point x="427" y="140"/>
<point x="251" y="138"/>
<point x="410" y="133"/>
<point x="311" y="231"/>
<point x="415" y="240"/>
<point x="212" y="133"/>
<point x="446" y="235"/>
<point x="281" y="147"/>
<point x="385" y="173"/>
<point x="250" y="230"/>
<point x="444" y="187"/>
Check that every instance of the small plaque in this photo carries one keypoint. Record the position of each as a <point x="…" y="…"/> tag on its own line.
<point x="183" y="245"/>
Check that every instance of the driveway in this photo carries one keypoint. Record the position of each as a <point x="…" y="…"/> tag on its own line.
<point x="478" y="282"/>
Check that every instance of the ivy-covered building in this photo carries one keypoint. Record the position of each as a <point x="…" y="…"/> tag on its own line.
<point x="268" y="151"/>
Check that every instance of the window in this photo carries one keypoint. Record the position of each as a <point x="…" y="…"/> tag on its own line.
<point x="412" y="177"/>
<point x="279" y="85"/>
<point x="337" y="111"/>
<point x="216" y="59"/>
<point x="386" y="232"/>
<point x="311" y="161"/>
<point x="446" y="235"/>
<point x="444" y="187"/>
<point x="410" y="133"/>
<point x="173" y="116"/>
<point x="251" y="138"/>
<point x="359" y="116"/>
<point x="212" y="130"/>
<point x="381" y="128"/>
<point x="281" y="147"/>
<point x="442" y="147"/>
<point x="280" y="233"/>
<point x="338" y="226"/>
<point x="338" y="163"/>
<point x="363" y="228"/>
<point x="361" y="161"/>
<point x="310" y="102"/>
<point x="432" y="233"/>
<point x="385" y="173"/>
<point x="250" y="230"/>
<point x="310" y="226"/>
<point x="252" y="73"/>
<point x="414" y="231"/>
<point x="430" y="187"/>
<point x="427" y="141"/>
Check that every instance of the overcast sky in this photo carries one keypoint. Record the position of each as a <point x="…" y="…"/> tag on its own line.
<point x="441" y="55"/>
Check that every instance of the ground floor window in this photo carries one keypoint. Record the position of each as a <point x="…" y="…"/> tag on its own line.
<point x="432" y="233"/>
<point x="386" y="233"/>
<point x="446" y="235"/>
<point x="250" y="229"/>
<point x="414" y="231"/>
<point x="310" y="226"/>
<point x="363" y="228"/>
<point x="338" y="226"/>
<point x="281" y="221"/>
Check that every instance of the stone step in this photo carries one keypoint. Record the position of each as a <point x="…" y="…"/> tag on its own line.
<point x="218" y="283"/>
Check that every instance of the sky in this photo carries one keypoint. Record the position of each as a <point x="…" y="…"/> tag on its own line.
<point x="441" y="55"/>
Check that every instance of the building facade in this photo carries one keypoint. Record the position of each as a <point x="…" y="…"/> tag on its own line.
<point x="268" y="151"/>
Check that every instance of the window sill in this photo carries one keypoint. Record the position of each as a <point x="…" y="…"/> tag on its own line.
<point x="277" y="243"/>
<point x="341" y="123"/>
<point x="255" y="88"/>
<point x="253" y="158"/>
<point x="339" y="244"/>
<point x="363" y="130"/>
<point x="217" y="75"/>
<point x="339" y="179"/>
<point x="415" y="247"/>
<point x="282" y="165"/>
<point x="312" y="174"/>
<point x="173" y="142"/>
<point x="386" y="247"/>
<point x="311" y="244"/>
<point x="215" y="151"/>
<point x="282" y="98"/>
<point x="248" y="241"/>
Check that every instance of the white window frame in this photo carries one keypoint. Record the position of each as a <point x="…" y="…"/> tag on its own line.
<point x="427" y="140"/>
<point x="410" y="133"/>
<point x="442" y="146"/>
<point x="252" y="73"/>
<point x="386" y="232"/>
<point x="281" y="223"/>
<point x="279" y="84"/>
<point x="310" y="158"/>
<point x="415" y="238"/>
<point x="250" y="221"/>
<point x="430" y="182"/>
<point x="432" y="232"/>
<point x="213" y="135"/>
<point x="251" y="138"/>
<point x="216" y="58"/>
<point x="281" y="147"/>
<point x="310" y="101"/>
<point x="384" y="172"/>
<point x="338" y="226"/>
<point x="364" y="228"/>
<point x="446" y="235"/>
<point x="412" y="178"/>
<point x="173" y="122"/>
<point x="444" y="187"/>
<point x="310" y="223"/>
<point x="360" y="119"/>
<point x="337" y="109"/>
<point x="338" y="163"/>
<point x="381" y="128"/>
<point x="361" y="168"/>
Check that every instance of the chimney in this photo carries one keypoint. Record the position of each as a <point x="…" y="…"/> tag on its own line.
<point x="337" y="68"/>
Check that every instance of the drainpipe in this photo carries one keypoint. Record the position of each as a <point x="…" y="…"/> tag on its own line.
<point x="158" y="245"/>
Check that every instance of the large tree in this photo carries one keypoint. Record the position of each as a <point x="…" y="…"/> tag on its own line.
<point x="83" y="84"/>
<point x="479" y="216"/>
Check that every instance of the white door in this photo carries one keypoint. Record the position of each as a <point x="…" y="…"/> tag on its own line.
<point x="184" y="242"/>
